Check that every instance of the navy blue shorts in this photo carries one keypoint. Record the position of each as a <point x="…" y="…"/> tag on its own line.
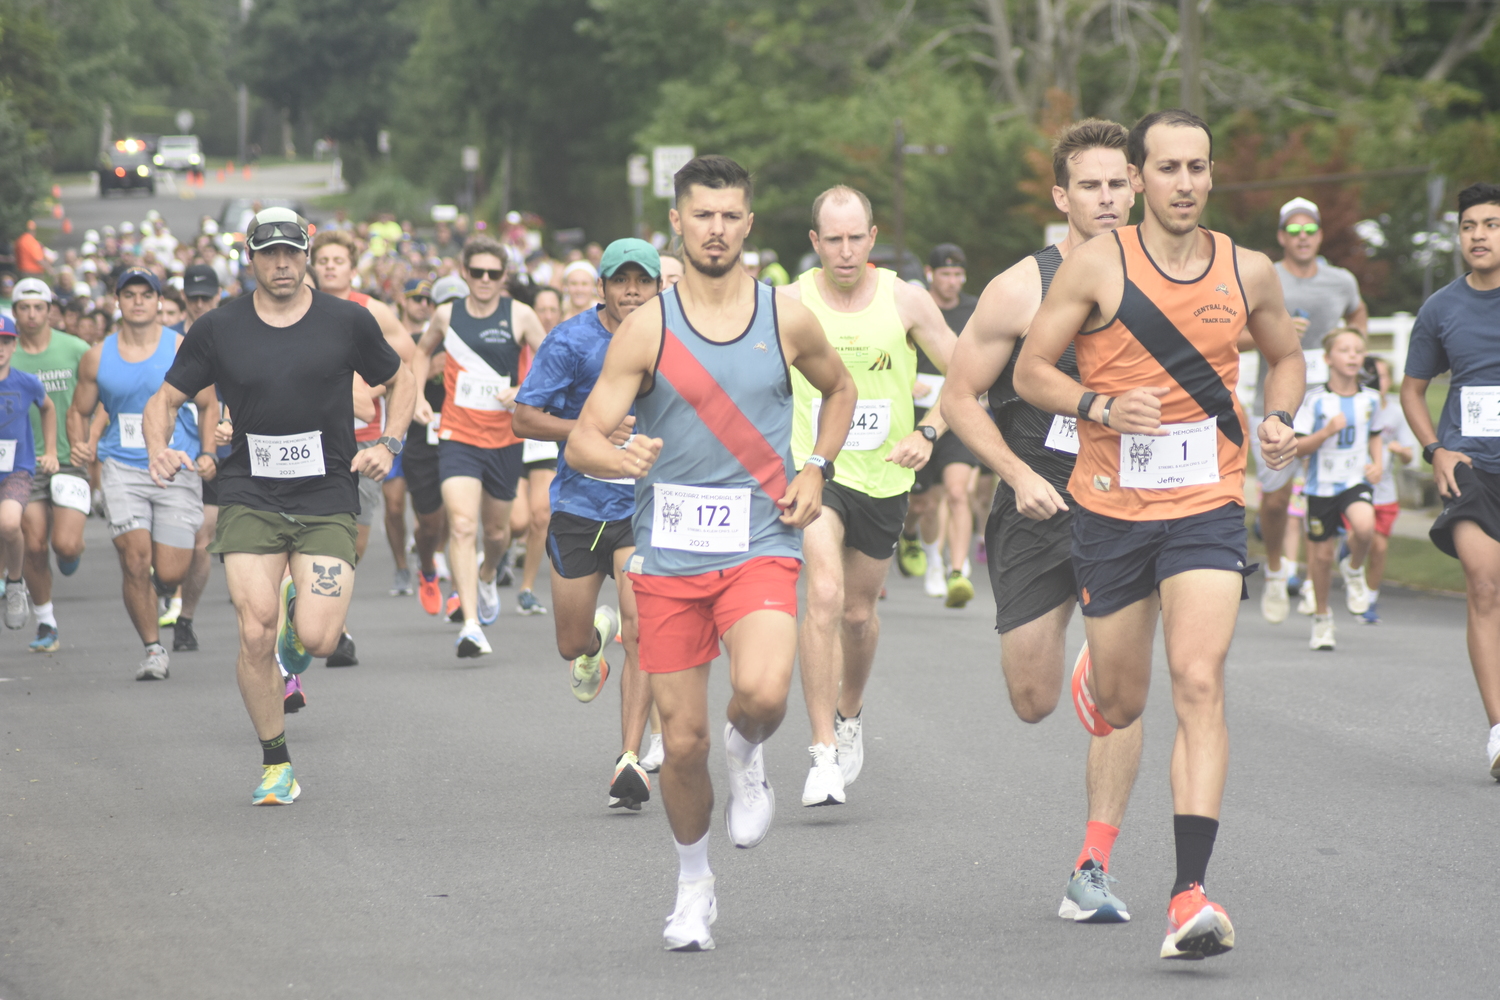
<point x="1120" y="562"/>
<point x="497" y="469"/>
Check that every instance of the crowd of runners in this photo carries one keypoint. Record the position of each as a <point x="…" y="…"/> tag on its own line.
<point x="683" y="421"/>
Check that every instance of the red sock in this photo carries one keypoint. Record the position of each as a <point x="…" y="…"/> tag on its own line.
<point x="1098" y="840"/>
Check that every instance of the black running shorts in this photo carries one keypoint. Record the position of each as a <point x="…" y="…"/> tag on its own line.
<point x="1325" y="515"/>
<point x="579" y="547"/>
<point x="1478" y="501"/>
<point x="948" y="450"/>
<point x="1030" y="562"/>
<point x="419" y="463"/>
<point x="871" y="524"/>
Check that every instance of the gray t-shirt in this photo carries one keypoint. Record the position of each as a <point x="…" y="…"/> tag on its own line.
<point x="1324" y="300"/>
<point x="1458" y="330"/>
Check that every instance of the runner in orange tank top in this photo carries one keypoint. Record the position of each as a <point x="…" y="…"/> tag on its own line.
<point x="1155" y="312"/>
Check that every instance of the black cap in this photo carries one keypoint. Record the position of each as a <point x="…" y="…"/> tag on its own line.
<point x="947" y="255"/>
<point x="200" y="280"/>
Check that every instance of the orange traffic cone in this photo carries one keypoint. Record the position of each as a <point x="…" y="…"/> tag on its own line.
<point x="245" y="173"/>
<point x="219" y="176"/>
<point x="67" y="226"/>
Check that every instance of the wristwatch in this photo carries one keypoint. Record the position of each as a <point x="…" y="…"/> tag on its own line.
<point x="823" y="465"/>
<point x="1429" y="451"/>
<point x="392" y="445"/>
<point x="929" y="432"/>
<point x="1086" y="403"/>
<point x="1286" y="417"/>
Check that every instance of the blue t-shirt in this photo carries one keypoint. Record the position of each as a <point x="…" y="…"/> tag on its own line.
<point x="19" y="392"/>
<point x="562" y="375"/>
<point x="1458" y="330"/>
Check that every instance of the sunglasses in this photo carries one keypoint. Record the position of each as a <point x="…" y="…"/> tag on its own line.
<point x="480" y="273"/>
<point x="419" y="298"/>
<point x="267" y="231"/>
<point x="1297" y="228"/>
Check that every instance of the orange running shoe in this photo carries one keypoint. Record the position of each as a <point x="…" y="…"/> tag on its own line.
<point x="455" y="610"/>
<point x="429" y="593"/>
<point x="1083" y="701"/>
<point x="1196" y="928"/>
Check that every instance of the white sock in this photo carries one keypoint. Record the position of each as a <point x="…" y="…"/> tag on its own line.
<point x="1374" y="596"/>
<point x="965" y="570"/>
<point x="740" y="748"/>
<point x="1277" y="574"/>
<point x="934" y="553"/>
<point x="1494" y="746"/>
<point x="44" y="614"/>
<point x="692" y="860"/>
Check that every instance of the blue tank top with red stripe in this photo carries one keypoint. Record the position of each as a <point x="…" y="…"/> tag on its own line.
<point x="724" y="414"/>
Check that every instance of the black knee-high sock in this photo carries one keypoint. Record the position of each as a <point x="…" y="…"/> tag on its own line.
<point x="1195" y="845"/>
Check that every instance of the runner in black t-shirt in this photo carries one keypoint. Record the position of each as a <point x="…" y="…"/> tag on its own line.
<point x="285" y="360"/>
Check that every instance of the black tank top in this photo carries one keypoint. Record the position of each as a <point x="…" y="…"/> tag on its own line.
<point x="1023" y="426"/>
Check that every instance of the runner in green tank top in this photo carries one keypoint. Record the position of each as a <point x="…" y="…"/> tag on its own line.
<point x="875" y="321"/>
<point x="59" y="502"/>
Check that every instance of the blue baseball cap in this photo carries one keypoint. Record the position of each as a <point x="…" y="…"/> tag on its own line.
<point x="8" y="327"/>
<point x="139" y="274"/>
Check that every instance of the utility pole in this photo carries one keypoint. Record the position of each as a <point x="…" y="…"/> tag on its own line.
<point x="242" y="100"/>
<point x="898" y="190"/>
<point x="1190" y="58"/>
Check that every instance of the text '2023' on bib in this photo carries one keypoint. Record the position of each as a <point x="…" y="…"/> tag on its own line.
<point x="868" y="428"/>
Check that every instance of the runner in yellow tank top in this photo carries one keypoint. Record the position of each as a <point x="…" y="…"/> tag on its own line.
<point x="874" y="320"/>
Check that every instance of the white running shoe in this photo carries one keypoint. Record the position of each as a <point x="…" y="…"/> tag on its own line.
<point x="825" y="782"/>
<point x="688" y="924"/>
<point x="17" y="604"/>
<point x="1356" y="590"/>
<point x="1322" y="633"/>
<point x="655" y="754"/>
<point x="1307" y="604"/>
<point x="1494" y="751"/>
<point x="471" y="642"/>
<point x="752" y="804"/>
<point x="1275" y="605"/>
<point x="489" y="602"/>
<point x="935" y="584"/>
<point x="851" y="743"/>
<point x="153" y="667"/>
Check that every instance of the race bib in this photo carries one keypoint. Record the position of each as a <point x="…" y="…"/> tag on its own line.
<point x="1481" y="411"/>
<point x="1341" y="465"/>
<point x="868" y="429"/>
<point x="480" y="392"/>
<point x="932" y="386"/>
<point x="1317" y="367"/>
<point x="432" y="429"/>
<point x="286" y="456"/>
<point x="131" y="435"/>
<point x="71" y="492"/>
<point x="699" y="519"/>
<point x="537" y="451"/>
<point x="1063" y="435"/>
<point x="1188" y="455"/>
<point x="7" y="456"/>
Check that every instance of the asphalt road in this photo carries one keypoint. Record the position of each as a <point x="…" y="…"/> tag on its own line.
<point x="452" y="839"/>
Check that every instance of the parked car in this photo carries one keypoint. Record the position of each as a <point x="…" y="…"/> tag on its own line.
<point x="126" y="167"/>
<point x="179" y="152"/>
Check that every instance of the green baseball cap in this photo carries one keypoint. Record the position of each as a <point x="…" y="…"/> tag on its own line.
<point x="629" y="251"/>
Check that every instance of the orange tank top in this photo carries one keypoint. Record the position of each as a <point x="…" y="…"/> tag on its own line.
<point x="483" y="358"/>
<point x="1184" y="336"/>
<point x="366" y="432"/>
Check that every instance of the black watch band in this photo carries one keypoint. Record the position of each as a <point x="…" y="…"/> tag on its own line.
<point x="1086" y="403"/>
<point x="1429" y="451"/>
<point x="1285" y="417"/>
<point x="929" y="432"/>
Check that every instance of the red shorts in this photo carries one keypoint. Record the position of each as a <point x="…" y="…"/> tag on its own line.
<point x="1385" y="518"/>
<point x="682" y="618"/>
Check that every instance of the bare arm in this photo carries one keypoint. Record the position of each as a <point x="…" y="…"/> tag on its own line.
<point x="390" y="327"/>
<point x="47" y="461"/>
<point x="156" y="426"/>
<point x="1286" y="376"/>
<point x="927" y="327"/>
<point x="539" y="425"/>
<point x="85" y="402"/>
<point x="401" y="391"/>
<point x="1359" y="318"/>
<point x="421" y="364"/>
<point x="1414" y="405"/>
<point x="1376" y="468"/>
<point x="627" y="364"/>
<point x="810" y="353"/>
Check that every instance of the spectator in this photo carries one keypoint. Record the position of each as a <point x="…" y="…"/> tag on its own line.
<point x="31" y="257"/>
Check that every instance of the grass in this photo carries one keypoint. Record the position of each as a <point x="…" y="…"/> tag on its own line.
<point x="1414" y="563"/>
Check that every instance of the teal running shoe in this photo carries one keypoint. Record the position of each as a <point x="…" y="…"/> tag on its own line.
<point x="289" y="649"/>
<point x="46" y="639"/>
<point x="1089" y="901"/>
<point x="278" y="786"/>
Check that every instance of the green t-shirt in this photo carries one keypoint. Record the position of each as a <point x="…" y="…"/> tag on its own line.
<point x="57" y="367"/>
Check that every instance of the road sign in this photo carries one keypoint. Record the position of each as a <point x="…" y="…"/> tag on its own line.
<point x="471" y="158"/>
<point x="636" y="174"/>
<point x="184" y="121"/>
<point x="665" y="162"/>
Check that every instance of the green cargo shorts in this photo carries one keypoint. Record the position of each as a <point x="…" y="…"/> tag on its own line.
<point x="263" y="532"/>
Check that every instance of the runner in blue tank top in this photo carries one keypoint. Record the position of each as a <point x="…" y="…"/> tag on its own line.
<point x="719" y="509"/>
<point x="153" y="526"/>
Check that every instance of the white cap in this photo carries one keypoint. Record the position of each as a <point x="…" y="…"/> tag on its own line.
<point x="91" y="236"/>
<point x="127" y="227"/>
<point x="448" y="288"/>
<point x="1299" y="206"/>
<point x="581" y="265"/>
<point x="31" y="288"/>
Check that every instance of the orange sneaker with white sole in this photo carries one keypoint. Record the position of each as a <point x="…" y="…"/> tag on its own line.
<point x="1196" y="928"/>
<point x="1083" y="699"/>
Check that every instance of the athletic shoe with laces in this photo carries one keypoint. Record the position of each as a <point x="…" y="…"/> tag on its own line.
<point x="401" y="583"/>
<point x="455" y="609"/>
<point x="503" y="576"/>
<point x="696" y="910"/>
<point x="169" y="612"/>
<point x="960" y="590"/>
<point x="1322" y="633"/>
<point x="911" y="558"/>
<point x="429" y="594"/>
<point x="527" y="604"/>
<point x="933" y="583"/>
<point x="1307" y="603"/>
<point x="343" y="654"/>
<point x="825" y="782"/>
<point x="1196" y="928"/>
<point x="489" y="602"/>
<point x="1371" y="615"/>
<point x="278" y="786"/>
<point x="1088" y="899"/>
<point x="17" y="604"/>
<point x="1275" y="604"/>
<point x="184" y="639"/>
<point x="849" y="736"/>
<point x="1356" y="590"/>
<point x="1083" y="698"/>
<point x="295" y="698"/>
<point x="471" y="642"/>
<point x="589" y="673"/>
<point x="153" y="667"/>
<point x="1493" y="749"/>
<point x="655" y="754"/>
<point x="630" y="786"/>
<point x="46" y="639"/>
<point x="293" y="655"/>
<point x="752" y="803"/>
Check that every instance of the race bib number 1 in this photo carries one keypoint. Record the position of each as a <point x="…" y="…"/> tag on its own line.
<point x="868" y="429"/>
<point x="1188" y="455"/>
<point x="7" y="456"/>
<point x="698" y="519"/>
<point x="480" y="392"/>
<point x="1317" y="367"/>
<point x="131" y="435"/>
<point x="71" y="492"/>
<point x="1063" y="435"/>
<point x="1481" y="411"/>
<point x="286" y="456"/>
